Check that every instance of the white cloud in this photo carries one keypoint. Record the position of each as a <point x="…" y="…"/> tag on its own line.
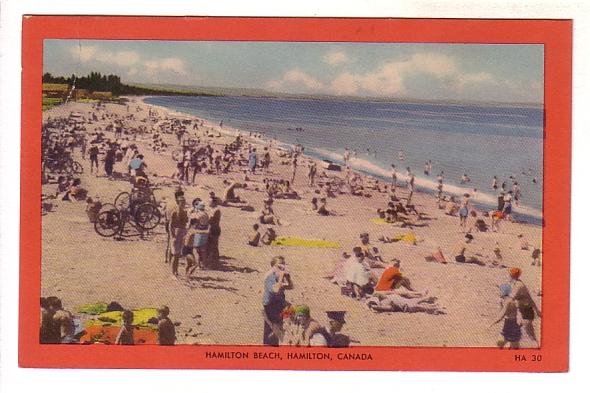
<point x="130" y="62"/>
<point x="86" y="54"/>
<point x="336" y="57"/>
<point x="296" y="80"/>
<point x="392" y="77"/>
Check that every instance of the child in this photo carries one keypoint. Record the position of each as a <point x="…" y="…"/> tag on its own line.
<point x="269" y="236"/>
<point x="511" y="333"/>
<point x="166" y="331"/>
<point x="125" y="336"/>
<point x="254" y="237"/>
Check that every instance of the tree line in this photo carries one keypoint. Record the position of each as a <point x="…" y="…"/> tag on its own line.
<point x="95" y="81"/>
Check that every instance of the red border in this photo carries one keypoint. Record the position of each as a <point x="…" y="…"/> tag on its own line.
<point x="556" y="35"/>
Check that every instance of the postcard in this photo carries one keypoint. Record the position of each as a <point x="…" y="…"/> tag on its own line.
<point x="295" y="193"/>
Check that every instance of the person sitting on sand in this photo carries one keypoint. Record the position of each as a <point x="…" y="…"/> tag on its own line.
<point x="451" y="208"/>
<point x="511" y="333"/>
<point x="75" y="192"/>
<point x="461" y="250"/>
<point x="268" y="236"/>
<point x="214" y="200"/>
<point x="63" y="322"/>
<point x="306" y="331"/>
<point x="92" y="209"/>
<point x="338" y="274"/>
<point x="229" y="195"/>
<point x="322" y="209"/>
<point x="267" y="214"/>
<point x="166" y="330"/>
<point x="371" y="254"/>
<point x="125" y="335"/>
<point x="358" y="275"/>
<point x="254" y="237"/>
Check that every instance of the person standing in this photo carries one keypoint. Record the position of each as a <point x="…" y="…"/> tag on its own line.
<point x="109" y="160"/>
<point x="178" y="220"/>
<point x="294" y="169"/>
<point x="93" y="156"/>
<point x="213" y="244"/>
<point x="252" y="161"/>
<point x="276" y="281"/>
<point x="393" y="177"/>
<point x="311" y="173"/>
<point x="526" y="305"/>
<point x="511" y="330"/>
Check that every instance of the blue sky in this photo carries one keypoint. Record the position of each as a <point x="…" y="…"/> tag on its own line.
<point x="464" y="72"/>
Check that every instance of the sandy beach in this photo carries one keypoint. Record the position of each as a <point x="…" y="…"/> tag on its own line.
<point x="224" y="306"/>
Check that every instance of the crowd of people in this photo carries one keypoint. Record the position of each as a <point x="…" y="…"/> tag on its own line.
<point x="193" y="231"/>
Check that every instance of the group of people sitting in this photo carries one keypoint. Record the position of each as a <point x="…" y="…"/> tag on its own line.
<point x="357" y="277"/>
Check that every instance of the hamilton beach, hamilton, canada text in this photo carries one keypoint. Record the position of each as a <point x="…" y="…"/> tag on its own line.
<point x="271" y="355"/>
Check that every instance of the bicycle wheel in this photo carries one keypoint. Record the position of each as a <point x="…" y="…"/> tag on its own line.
<point x="147" y="216"/>
<point x="77" y="167"/>
<point x="123" y="201"/>
<point x="108" y="223"/>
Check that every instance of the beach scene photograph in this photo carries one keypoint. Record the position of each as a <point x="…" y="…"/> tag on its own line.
<point x="306" y="194"/>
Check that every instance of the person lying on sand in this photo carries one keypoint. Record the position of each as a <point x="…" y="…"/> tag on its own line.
<point x="393" y="302"/>
<point x="436" y="256"/>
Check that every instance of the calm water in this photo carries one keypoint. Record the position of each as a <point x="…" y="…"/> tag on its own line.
<point x="481" y="141"/>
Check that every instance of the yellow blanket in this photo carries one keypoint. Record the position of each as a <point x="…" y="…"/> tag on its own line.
<point x="382" y="221"/>
<point x="296" y="242"/>
<point x="140" y="317"/>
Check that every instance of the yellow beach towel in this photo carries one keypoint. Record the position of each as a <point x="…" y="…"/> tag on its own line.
<point x="409" y="237"/>
<point x="312" y="243"/>
<point x="382" y="221"/>
<point x="140" y="318"/>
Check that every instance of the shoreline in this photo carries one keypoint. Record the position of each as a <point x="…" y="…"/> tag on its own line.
<point x="483" y="201"/>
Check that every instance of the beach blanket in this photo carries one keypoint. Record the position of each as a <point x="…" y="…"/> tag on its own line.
<point x="296" y="242"/>
<point x="108" y="335"/>
<point x="382" y="221"/>
<point x="144" y="317"/>
<point x="93" y="309"/>
<point x="409" y="237"/>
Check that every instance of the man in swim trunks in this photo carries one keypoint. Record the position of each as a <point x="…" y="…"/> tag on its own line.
<point x="177" y="223"/>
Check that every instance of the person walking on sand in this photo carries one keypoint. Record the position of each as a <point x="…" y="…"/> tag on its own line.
<point x="526" y="305"/>
<point x="511" y="333"/>
<point x="178" y="220"/>
<point x="276" y="281"/>
<point x="109" y="160"/>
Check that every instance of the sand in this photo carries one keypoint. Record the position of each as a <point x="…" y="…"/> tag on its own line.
<point x="223" y="306"/>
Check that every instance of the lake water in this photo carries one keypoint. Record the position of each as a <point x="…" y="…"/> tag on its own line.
<point x="480" y="140"/>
